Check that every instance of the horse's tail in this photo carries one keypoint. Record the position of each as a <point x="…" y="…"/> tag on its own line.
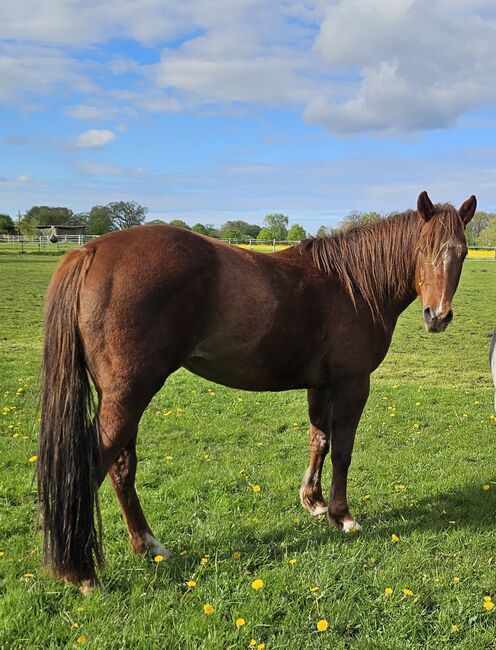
<point x="69" y="450"/>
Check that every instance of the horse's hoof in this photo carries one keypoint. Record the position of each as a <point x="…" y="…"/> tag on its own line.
<point x="155" y="548"/>
<point x="351" y="527"/>
<point x="86" y="587"/>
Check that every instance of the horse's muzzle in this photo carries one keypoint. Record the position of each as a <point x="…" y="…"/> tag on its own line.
<point x="436" y="323"/>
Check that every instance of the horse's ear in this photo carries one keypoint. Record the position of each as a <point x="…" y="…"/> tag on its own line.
<point x="467" y="210"/>
<point x="424" y="206"/>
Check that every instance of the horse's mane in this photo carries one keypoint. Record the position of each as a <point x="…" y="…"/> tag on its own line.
<point x="376" y="260"/>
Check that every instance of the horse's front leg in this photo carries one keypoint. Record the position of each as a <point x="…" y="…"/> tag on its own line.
<point x="319" y="410"/>
<point x="347" y="406"/>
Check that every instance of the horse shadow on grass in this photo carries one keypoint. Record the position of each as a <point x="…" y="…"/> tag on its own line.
<point x="469" y="507"/>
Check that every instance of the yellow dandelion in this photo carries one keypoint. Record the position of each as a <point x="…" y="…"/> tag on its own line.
<point x="388" y="591"/>
<point x="456" y="579"/>
<point x="236" y="555"/>
<point x="367" y="497"/>
<point x="322" y="625"/>
<point x="169" y="458"/>
<point x="292" y="561"/>
<point x="191" y="584"/>
<point x="407" y="592"/>
<point x="167" y="413"/>
<point x="81" y="640"/>
<point x="261" y="646"/>
<point x="75" y="626"/>
<point x="314" y="589"/>
<point x="252" y="643"/>
<point x="183" y="553"/>
<point x="2" y="553"/>
<point x="80" y="610"/>
<point x="454" y="628"/>
<point x="208" y="609"/>
<point x="33" y="459"/>
<point x="486" y="487"/>
<point x="159" y="558"/>
<point x="487" y="599"/>
<point x="488" y="605"/>
<point x="204" y="560"/>
<point x="240" y="622"/>
<point x="28" y="575"/>
<point x="257" y="584"/>
<point x="395" y="538"/>
<point x="256" y="488"/>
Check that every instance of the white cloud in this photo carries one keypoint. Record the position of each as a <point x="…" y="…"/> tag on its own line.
<point x="421" y="63"/>
<point x="349" y="65"/>
<point x="90" y="112"/>
<point x="98" y="168"/>
<point x="94" y="139"/>
<point x="28" y="70"/>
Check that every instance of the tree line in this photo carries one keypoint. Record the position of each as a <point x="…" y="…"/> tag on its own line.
<point x="481" y="231"/>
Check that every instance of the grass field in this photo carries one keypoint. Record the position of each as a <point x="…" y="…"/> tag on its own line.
<point x="424" y="470"/>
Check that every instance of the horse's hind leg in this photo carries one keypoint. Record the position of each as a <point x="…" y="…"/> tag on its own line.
<point x="118" y="419"/>
<point x="122" y="475"/>
<point x="319" y="409"/>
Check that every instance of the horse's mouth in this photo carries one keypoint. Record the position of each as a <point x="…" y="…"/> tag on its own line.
<point x="437" y="325"/>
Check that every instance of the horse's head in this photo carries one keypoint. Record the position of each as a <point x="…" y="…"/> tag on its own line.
<point x="440" y="253"/>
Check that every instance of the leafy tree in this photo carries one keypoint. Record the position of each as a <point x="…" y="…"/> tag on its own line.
<point x="99" y="220"/>
<point x="126" y="214"/>
<point x="277" y="225"/>
<point x="156" y="222"/>
<point x="356" y="218"/>
<point x="6" y="224"/>
<point x="480" y="221"/>
<point x="323" y="231"/>
<point x="487" y="237"/>
<point x="212" y="231"/>
<point x="179" y="223"/>
<point x="249" y="230"/>
<point x="264" y="235"/>
<point x="231" y="233"/>
<point x="296" y="233"/>
<point x="44" y="215"/>
<point x="200" y="229"/>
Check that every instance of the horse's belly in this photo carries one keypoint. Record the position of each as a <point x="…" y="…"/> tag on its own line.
<point x="249" y="374"/>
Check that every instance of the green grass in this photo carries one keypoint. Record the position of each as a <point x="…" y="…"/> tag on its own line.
<point x="425" y="447"/>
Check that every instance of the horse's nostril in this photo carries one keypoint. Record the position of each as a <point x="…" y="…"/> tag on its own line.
<point x="428" y="315"/>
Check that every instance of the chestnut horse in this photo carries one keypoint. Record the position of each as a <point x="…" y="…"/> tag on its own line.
<point x="130" y="308"/>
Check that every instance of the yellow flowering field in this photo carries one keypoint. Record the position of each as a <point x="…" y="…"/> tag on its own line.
<point x="218" y="477"/>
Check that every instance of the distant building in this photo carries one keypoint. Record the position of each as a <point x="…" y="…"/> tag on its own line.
<point x="59" y="233"/>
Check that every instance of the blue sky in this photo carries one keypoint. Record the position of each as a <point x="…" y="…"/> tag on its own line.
<point x="210" y="110"/>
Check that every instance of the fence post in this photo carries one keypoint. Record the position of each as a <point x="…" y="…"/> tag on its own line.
<point x="273" y="245"/>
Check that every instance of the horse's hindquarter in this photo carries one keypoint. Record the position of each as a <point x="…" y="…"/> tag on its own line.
<point x="144" y="302"/>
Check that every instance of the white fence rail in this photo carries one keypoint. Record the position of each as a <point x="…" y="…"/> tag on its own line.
<point x="23" y="243"/>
